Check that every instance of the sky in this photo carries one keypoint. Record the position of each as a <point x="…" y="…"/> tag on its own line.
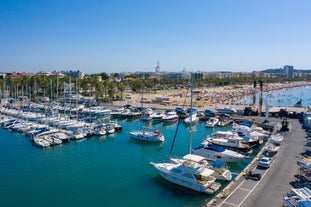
<point x="96" y="36"/>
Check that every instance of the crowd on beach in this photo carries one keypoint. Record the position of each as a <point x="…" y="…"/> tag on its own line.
<point x="212" y="97"/>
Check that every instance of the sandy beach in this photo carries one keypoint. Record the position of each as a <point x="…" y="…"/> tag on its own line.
<point x="204" y="97"/>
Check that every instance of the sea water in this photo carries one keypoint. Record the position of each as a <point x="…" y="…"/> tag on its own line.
<point x="285" y="97"/>
<point x="112" y="170"/>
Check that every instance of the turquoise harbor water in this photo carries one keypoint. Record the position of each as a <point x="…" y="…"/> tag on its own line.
<point x="101" y="171"/>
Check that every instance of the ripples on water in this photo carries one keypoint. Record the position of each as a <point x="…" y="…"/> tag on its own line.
<point x="286" y="97"/>
<point x="99" y="171"/>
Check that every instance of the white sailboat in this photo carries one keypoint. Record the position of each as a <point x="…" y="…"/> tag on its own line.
<point x="150" y="135"/>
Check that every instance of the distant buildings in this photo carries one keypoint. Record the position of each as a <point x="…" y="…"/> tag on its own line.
<point x="288" y="71"/>
<point x="3" y="75"/>
<point x="74" y="74"/>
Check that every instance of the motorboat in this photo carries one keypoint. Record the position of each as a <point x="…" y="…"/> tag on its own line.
<point x="67" y="124"/>
<point x="249" y="131"/>
<point x="250" y="141"/>
<point x="215" y="152"/>
<point x="272" y="148"/>
<point x="220" y="171"/>
<point x="51" y="140"/>
<point x="41" y="142"/>
<point x="212" y="122"/>
<point x="78" y="133"/>
<point x="191" y="119"/>
<point x="27" y="127"/>
<point x="146" y="114"/>
<point x="38" y="130"/>
<point x="230" y="143"/>
<point x="117" y="113"/>
<point x="224" y="122"/>
<point x="99" y="130"/>
<point x="157" y="116"/>
<point x="189" y="174"/>
<point x="170" y="117"/>
<point x="146" y="117"/>
<point x="78" y="124"/>
<point x="18" y="125"/>
<point x="110" y="128"/>
<point x="181" y="112"/>
<point x="276" y="138"/>
<point x="97" y="110"/>
<point x="9" y="124"/>
<point x="115" y="124"/>
<point x="63" y="136"/>
<point x="148" y="135"/>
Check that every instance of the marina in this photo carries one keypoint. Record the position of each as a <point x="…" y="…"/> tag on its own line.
<point x="105" y="150"/>
<point x="84" y="161"/>
<point x="158" y="103"/>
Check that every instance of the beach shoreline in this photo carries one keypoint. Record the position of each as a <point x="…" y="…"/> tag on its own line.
<point x="204" y="98"/>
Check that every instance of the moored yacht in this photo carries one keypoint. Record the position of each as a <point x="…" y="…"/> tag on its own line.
<point x="189" y="174"/>
<point x="148" y="135"/>
<point x="276" y="138"/>
<point x="41" y="142"/>
<point x="117" y="113"/>
<point x="232" y="144"/>
<point x="99" y="130"/>
<point x="191" y="119"/>
<point x="212" y="122"/>
<point x="170" y="117"/>
<point x="215" y="152"/>
<point x="157" y="116"/>
<point x="220" y="171"/>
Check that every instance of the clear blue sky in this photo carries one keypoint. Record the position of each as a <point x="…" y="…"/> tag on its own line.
<point x="131" y="35"/>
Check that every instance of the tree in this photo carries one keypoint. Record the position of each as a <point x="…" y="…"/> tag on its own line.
<point x="121" y="86"/>
<point x="104" y="76"/>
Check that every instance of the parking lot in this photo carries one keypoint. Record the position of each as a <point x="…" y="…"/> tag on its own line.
<point x="275" y="181"/>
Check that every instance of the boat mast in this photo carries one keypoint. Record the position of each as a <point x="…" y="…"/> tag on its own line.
<point x="57" y="89"/>
<point x="70" y="95"/>
<point x="191" y="92"/>
<point x="77" y="98"/>
<point x="142" y="99"/>
<point x="51" y="89"/>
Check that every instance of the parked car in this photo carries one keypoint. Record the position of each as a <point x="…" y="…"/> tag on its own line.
<point x="224" y="115"/>
<point x="253" y="176"/>
<point x="209" y="113"/>
<point x="265" y="162"/>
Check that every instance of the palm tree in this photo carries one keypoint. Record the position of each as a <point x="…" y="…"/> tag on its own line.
<point x="121" y="86"/>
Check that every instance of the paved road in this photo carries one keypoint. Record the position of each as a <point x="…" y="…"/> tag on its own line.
<point x="276" y="181"/>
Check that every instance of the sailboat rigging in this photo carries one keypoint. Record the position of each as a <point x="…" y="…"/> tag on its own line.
<point x="150" y="135"/>
<point x="189" y="173"/>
